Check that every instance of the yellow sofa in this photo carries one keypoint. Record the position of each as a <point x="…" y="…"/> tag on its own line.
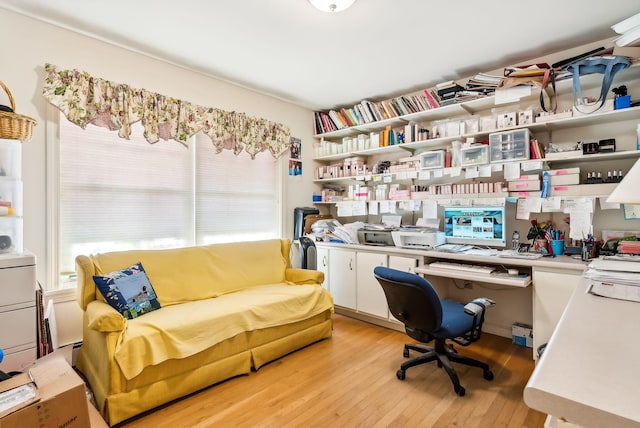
<point x="226" y="308"/>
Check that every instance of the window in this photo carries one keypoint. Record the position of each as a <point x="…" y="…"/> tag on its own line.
<point x="115" y="194"/>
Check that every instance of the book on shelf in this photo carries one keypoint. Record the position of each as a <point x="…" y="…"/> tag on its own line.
<point x="431" y="98"/>
<point x="336" y="119"/>
<point x="344" y="114"/>
<point x="536" y="150"/>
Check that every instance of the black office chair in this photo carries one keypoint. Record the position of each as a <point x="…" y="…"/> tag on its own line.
<point x="414" y="302"/>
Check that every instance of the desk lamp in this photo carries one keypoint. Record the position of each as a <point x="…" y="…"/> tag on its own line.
<point x="627" y="191"/>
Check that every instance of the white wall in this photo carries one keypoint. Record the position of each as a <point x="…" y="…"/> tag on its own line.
<point x="30" y="44"/>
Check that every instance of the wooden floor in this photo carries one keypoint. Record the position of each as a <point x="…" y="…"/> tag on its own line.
<point x="350" y="380"/>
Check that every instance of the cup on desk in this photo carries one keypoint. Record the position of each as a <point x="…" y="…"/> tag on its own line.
<point x="557" y="247"/>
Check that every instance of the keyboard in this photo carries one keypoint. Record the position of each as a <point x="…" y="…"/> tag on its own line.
<point x="486" y="270"/>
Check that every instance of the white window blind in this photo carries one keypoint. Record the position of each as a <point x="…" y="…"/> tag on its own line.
<point x="117" y="194"/>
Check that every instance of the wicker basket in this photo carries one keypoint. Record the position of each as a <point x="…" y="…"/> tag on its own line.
<point x="14" y="126"/>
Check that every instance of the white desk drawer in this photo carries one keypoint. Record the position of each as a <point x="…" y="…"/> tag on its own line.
<point x="17" y="287"/>
<point x="22" y="325"/>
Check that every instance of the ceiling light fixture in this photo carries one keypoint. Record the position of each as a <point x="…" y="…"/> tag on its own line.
<point x="332" y="6"/>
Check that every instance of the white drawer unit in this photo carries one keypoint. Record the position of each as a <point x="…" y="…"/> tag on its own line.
<point x="18" y="339"/>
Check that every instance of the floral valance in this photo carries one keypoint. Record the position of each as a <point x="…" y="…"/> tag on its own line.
<point x="90" y="100"/>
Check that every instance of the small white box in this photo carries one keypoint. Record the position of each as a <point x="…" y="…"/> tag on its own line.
<point x="559" y="180"/>
<point x="564" y="171"/>
<point x="522" y="334"/>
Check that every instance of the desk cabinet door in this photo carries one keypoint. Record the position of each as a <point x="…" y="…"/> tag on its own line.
<point x="322" y="264"/>
<point x="342" y="273"/>
<point x="551" y="292"/>
<point x="370" y="296"/>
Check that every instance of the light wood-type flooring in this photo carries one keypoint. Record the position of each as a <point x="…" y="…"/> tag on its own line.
<point x="350" y="381"/>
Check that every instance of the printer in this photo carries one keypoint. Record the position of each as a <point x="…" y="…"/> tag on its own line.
<point x="376" y="236"/>
<point x="417" y="237"/>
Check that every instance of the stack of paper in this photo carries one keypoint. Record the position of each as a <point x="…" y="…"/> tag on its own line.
<point x="615" y="278"/>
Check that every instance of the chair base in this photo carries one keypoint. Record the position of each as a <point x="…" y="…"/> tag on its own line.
<point x="444" y="354"/>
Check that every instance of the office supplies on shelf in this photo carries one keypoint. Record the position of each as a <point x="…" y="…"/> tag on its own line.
<point x="479" y="269"/>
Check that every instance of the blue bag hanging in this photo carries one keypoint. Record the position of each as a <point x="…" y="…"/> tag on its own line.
<point x="608" y="66"/>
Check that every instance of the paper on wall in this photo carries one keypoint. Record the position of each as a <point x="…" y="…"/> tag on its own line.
<point x="373" y="207"/>
<point x="512" y="170"/>
<point x="552" y="203"/>
<point x="522" y="209"/>
<point x="430" y="208"/>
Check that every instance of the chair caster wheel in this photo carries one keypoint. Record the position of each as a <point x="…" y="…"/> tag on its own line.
<point x="400" y="374"/>
<point x="461" y="391"/>
<point x="488" y="375"/>
<point x="405" y="353"/>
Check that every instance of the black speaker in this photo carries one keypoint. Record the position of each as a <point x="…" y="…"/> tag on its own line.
<point x="298" y="220"/>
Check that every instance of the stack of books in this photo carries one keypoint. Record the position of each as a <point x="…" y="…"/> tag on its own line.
<point x="368" y="112"/>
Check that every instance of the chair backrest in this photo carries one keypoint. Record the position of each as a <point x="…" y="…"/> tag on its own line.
<point x="411" y="299"/>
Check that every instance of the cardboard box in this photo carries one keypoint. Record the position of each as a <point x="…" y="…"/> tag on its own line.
<point x="60" y="398"/>
<point x="522" y="334"/>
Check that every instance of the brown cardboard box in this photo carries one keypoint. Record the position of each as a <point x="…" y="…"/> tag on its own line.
<point x="62" y="399"/>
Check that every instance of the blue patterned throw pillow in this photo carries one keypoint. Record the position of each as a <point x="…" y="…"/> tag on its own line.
<point x="128" y="291"/>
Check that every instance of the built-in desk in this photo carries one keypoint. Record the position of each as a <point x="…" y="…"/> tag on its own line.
<point x="537" y="299"/>
<point x="589" y="373"/>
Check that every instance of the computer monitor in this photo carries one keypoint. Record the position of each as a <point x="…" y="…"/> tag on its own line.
<point x="482" y="226"/>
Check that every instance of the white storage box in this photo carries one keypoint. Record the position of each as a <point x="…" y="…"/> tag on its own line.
<point x="432" y="159"/>
<point x="559" y="180"/>
<point x="509" y="145"/>
<point x="474" y="155"/>
<point x="524" y="185"/>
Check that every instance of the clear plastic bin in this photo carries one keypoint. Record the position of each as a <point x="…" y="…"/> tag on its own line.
<point x="10" y="197"/>
<point x="510" y="145"/>
<point x="10" y="159"/>
<point x="10" y="234"/>
<point x="432" y="159"/>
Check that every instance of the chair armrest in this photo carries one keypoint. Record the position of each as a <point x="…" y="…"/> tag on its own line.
<point x="102" y="317"/>
<point x="304" y="276"/>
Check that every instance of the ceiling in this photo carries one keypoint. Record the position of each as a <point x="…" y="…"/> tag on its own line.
<point x="374" y="50"/>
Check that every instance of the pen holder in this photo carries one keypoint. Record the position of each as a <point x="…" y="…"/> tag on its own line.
<point x="557" y="247"/>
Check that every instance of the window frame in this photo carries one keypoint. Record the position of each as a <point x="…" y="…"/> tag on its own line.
<point x="52" y="160"/>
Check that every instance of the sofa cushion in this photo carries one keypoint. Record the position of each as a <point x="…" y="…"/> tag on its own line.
<point x="180" y="331"/>
<point x="195" y="273"/>
<point x="128" y="291"/>
<point x="240" y="265"/>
